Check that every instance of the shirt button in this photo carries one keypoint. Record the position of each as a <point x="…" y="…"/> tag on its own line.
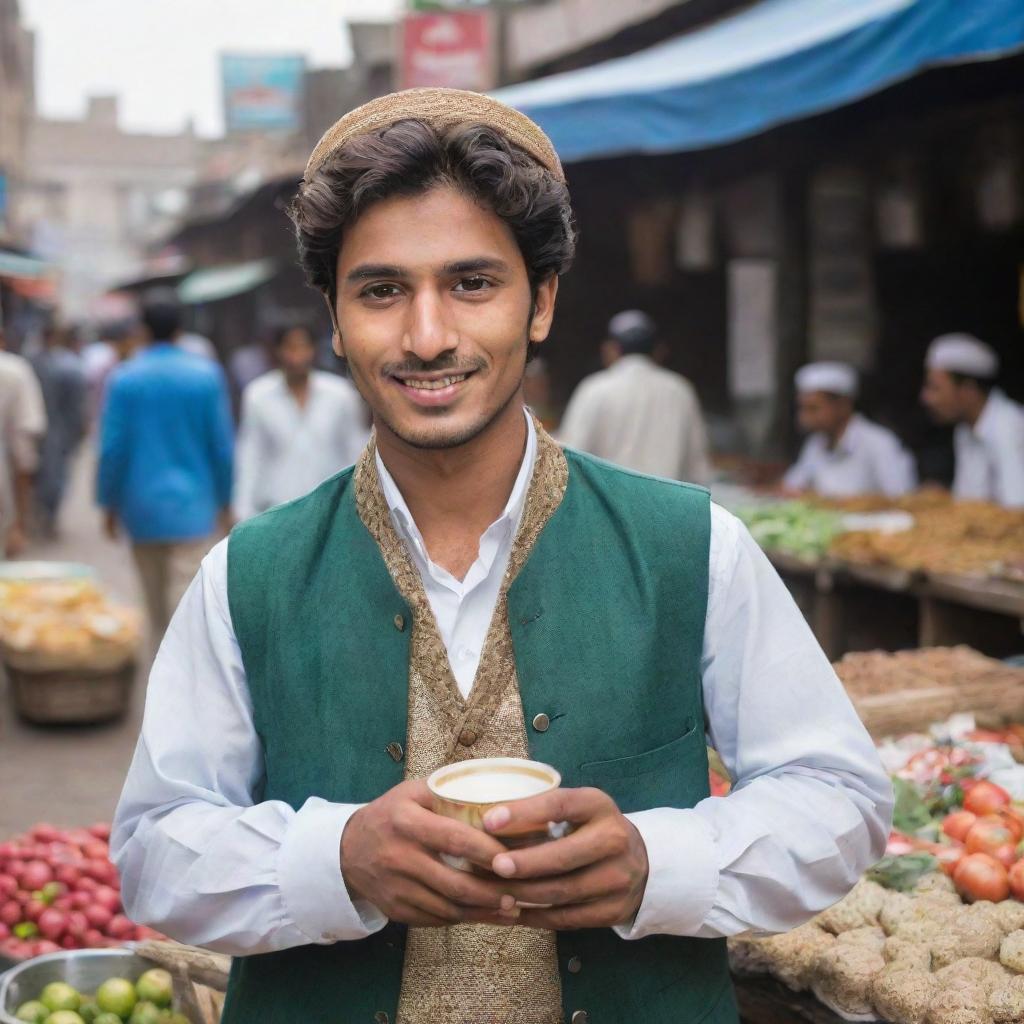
<point x="541" y="722"/>
<point x="395" y="751"/>
<point x="399" y="621"/>
<point x="575" y="965"/>
<point x="465" y="654"/>
<point x="467" y="737"/>
<point x="579" y="1017"/>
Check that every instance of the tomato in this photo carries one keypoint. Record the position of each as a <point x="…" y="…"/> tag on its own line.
<point x="958" y="824"/>
<point x="949" y="857"/>
<point x="986" y="797"/>
<point x="986" y="836"/>
<point x="1016" y="878"/>
<point x="1008" y="819"/>
<point x="981" y="877"/>
<point x="1006" y="855"/>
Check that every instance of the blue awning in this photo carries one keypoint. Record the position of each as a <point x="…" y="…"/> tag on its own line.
<point x="775" y="62"/>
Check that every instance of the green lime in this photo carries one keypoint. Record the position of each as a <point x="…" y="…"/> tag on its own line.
<point x="107" y="1018"/>
<point x="146" y="1013"/>
<point x="88" y="1010"/>
<point x="33" y="1011"/>
<point x="155" y="986"/>
<point x="117" y="995"/>
<point x="58" y="995"/>
<point x="64" y="1017"/>
<point x="178" y="1018"/>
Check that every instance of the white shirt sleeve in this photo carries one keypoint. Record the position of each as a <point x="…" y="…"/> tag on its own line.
<point x="1008" y="456"/>
<point x="249" y="455"/>
<point x="200" y="859"/>
<point x="811" y="805"/>
<point x="800" y="476"/>
<point x="894" y="467"/>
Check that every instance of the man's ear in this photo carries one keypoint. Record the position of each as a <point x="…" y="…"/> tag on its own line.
<point x="543" y="309"/>
<point x="336" y="343"/>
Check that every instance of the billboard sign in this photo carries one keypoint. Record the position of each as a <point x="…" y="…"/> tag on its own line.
<point x="453" y="49"/>
<point x="262" y="93"/>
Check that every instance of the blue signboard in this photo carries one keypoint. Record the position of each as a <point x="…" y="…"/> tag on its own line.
<point x="262" y="93"/>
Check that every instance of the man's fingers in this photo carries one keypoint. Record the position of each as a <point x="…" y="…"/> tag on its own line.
<point x="597" y="882"/>
<point x="443" y="835"/>
<point x="573" y="805"/>
<point x="460" y="887"/>
<point x="579" y="850"/>
<point x="600" y="914"/>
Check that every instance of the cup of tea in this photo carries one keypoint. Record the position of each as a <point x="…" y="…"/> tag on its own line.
<point x="467" y="790"/>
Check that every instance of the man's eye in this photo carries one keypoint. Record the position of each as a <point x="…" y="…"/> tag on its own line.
<point x="473" y="284"/>
<point x="380" y="291"/>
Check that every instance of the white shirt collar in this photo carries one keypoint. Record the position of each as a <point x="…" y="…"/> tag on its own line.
<point x="506" y="524"/>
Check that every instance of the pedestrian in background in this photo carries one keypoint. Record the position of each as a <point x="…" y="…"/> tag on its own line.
<point x="62" y="379"/>
<point x="846" y="453"/>
<point x="298" y="427"/>
<point x="988" y="439"/>
<point x="22" y="426"/>
<point x="636" y="413"/>
<point x="166" y="457"/>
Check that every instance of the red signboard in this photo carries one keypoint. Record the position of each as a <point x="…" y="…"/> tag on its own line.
<point x="451" y="48"/>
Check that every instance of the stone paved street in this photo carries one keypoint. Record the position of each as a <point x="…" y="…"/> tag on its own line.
<point x="71" y="775"/>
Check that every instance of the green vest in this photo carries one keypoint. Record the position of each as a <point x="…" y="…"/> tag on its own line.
<point x="607" y="620"/>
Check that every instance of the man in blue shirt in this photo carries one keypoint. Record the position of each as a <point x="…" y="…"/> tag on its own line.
<point x="165" y="468"/>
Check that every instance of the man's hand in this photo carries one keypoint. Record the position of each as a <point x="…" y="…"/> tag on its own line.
<point x="390" y="856"/>
<point x="593" y="878"/>
<point x="110" y="524"/>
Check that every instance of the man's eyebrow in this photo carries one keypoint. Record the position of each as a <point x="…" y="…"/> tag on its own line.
<point x="475" y="265"/>
<point x="368" y="271"/>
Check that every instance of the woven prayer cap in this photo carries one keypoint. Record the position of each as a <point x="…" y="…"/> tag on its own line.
<point x="442" y="109"/>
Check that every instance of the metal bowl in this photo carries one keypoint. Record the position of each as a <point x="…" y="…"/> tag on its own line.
<point x="85" y="969"/>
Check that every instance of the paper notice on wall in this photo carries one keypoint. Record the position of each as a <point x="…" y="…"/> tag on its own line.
<point x="753" y="328"/>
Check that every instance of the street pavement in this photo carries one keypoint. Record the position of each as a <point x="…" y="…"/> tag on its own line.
<point x="72" y="775"/>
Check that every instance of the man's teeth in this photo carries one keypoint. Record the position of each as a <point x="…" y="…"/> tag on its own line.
<point x="435" y="385"/>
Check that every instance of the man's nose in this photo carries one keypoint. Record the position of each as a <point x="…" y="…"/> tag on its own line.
<point x="430" y="332"/>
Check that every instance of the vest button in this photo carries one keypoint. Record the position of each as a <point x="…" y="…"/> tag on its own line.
<point x="541" y="722"/>
<point x="400" y="623"/>
<point x="467" y="737"/>
<point x="380" y="1017"/>
<point x="395" y="751"/>
<point x="575" y="965"/>
<point x="579" y="1017"/>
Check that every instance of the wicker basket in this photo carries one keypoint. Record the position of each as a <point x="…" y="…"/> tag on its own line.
<point x="71" y="695"/>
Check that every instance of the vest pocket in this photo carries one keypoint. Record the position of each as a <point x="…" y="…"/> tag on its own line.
<point x="674" y="774"/>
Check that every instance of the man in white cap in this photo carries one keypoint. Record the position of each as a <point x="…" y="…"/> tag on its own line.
<point x="988" y="442"/>
<point x="635" y="413"/>
<point x="846" y="454"/>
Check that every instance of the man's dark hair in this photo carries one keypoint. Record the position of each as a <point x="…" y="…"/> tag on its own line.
<point x="410" y="158"/>
<point x="161" y="313"/>
<point x="283" y="330"/>
<point x="983" y="384"/>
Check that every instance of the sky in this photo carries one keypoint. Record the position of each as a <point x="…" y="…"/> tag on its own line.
<point x="160" y="56"/>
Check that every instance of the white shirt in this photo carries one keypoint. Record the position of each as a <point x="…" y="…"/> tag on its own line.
<point x="639" y="415"/>
<point x="809" y="812"/>
<point x="867" y="460"/>
<point x="22" y="426"/>
<point x="284" y="449"/>
<point x="990" y="456"/>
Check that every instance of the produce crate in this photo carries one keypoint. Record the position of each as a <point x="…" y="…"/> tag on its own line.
<point x="71" y="695"/>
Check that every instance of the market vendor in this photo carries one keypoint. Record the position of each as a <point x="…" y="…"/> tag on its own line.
<point x="470" y="589"/>
<point x="846" y="454"/>
<point x="988" y="442"/>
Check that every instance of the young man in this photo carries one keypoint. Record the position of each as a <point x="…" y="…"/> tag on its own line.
<point x="846" y="454"/>
<point x="470" y="590"/>
<point x="988" y="442"/>
<point x="165" y="462"/>
<point x="298" y="427"/>
<point x="636" y="413"/>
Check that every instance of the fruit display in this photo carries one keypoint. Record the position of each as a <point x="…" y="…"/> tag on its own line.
<point x="116" y="1001"/>
<point x="964" y="538"/>
<point x="52" y="624"/>
<point x="59" y="890"/>
<point x="796" y="528"/>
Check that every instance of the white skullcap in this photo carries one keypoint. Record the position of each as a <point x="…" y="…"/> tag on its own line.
<point x="835" y="378"/>
<point x="962" y="353"/>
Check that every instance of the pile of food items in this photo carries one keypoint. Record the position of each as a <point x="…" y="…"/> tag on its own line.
<point x="797" y="528"/>
<point x="115" y="1001"/>
<point x="964" y="538"/>
<point x="59" y="890"/>
<point x="55" y="624"/>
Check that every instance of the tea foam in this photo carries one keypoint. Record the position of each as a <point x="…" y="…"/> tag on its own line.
<point x="492" y="787"/>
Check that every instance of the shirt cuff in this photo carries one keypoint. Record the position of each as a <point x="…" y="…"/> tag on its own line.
<point x="312" y="886"/>
<point x="682" y="882"/>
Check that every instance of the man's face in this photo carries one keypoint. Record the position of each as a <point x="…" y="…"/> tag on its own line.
<point x="434" y="311"/>
<point x="296" y="353"/>
<point x="942" y="397"/>
<point x="817" y="411"/>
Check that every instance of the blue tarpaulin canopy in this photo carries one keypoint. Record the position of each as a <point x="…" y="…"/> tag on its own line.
<point x="777" y="61"/>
